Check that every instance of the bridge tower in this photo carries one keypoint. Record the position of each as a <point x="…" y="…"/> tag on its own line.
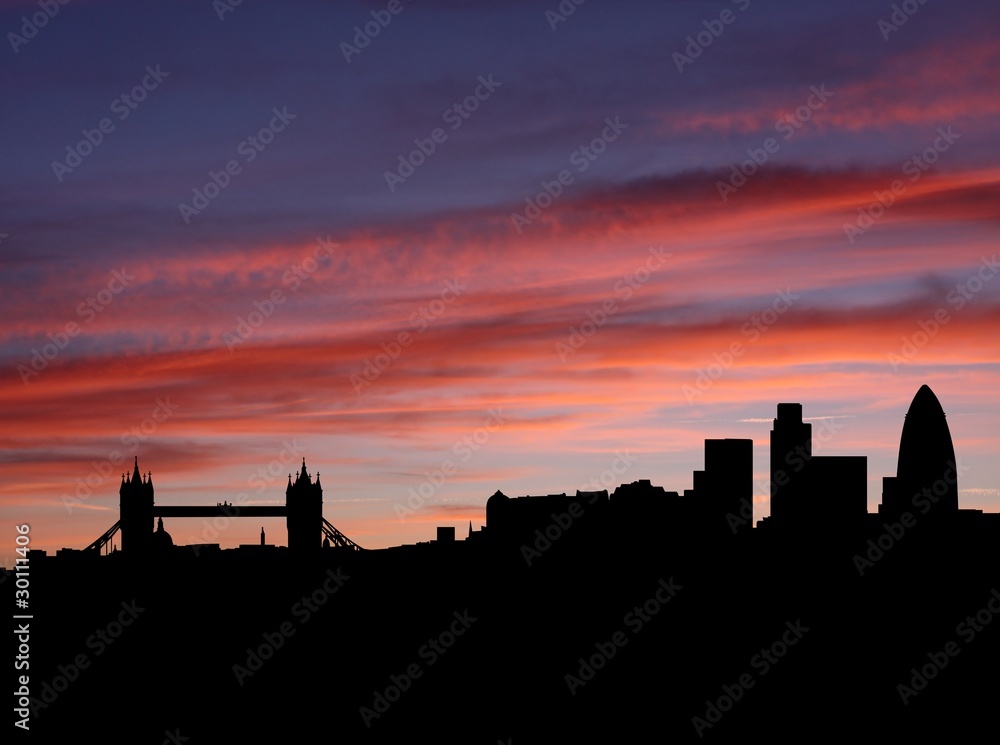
<point x="304" y="511"/>
<point x="135" y="507"/>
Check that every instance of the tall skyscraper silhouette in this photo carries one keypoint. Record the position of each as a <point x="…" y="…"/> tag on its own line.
<point x="927" y="463"/>
<point x="791" y="446"/>
<point x="825" y="494"/>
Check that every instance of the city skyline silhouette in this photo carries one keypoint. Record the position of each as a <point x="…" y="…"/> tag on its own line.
<point x="806" y="487"/>
<point x="500" y="373"/>
<point x="589" y="552"/>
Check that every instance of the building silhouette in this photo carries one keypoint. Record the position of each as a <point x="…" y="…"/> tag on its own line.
<point x="812" y="492"/>
<point x="927" y="465"/>
<point x="726" y="483"/>
<point x="791" y="447"/>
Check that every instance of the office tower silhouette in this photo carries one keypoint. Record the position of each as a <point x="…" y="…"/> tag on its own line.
<point x="726" y="484"/>
<point x="927" y="464"/>
<point x="791" y="446"/>
<point x="822" y="493"/>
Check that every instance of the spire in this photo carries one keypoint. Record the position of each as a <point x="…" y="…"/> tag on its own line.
<point x="317" y="478"/>
<point x="470" y="528"/>
<point x="135" y="472"/>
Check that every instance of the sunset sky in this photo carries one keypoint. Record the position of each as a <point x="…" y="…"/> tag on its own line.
<point x="529" y="248"/>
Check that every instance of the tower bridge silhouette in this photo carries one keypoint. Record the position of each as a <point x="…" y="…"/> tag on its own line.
<point x="303" y="512"/>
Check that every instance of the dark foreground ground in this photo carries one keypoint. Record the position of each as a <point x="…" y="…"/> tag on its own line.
<point x="686" y="640"/>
